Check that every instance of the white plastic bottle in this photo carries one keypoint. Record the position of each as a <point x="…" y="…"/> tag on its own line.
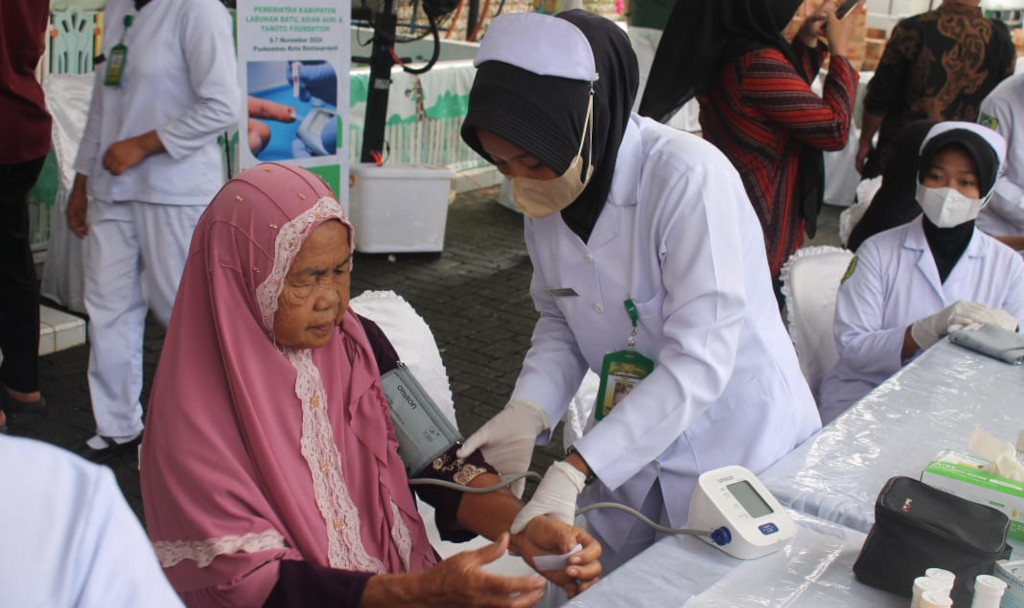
<point x="927" y="583"/>
<point x="946" y="576"/>
<point x="988" y="591"/>
<point x="936" y="599"/>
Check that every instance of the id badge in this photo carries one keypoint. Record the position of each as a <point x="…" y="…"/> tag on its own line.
<point x="115" y="65"/>
<point x="622" y="370"/>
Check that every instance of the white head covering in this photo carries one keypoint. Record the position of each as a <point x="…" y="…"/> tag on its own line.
<point x="994" y="139"/>
<point x="556" y="47"/>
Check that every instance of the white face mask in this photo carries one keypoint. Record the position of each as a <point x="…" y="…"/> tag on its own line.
<point x="539" y="198"/>
<point x="946" y="207"/>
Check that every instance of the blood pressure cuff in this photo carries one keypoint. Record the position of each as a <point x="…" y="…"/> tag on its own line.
<point x="993" y="341"/>
<point x="919" y="527"/>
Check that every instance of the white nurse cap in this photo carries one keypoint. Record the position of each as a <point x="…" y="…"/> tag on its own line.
<point x="538" y="43"/>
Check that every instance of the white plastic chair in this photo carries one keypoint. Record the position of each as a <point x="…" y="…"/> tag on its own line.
<point x="67" y="99"/>
<point x="412" y="339"/>
<point x="810" y="282"/>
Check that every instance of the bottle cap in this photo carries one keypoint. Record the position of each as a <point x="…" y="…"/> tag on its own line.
<point x="939" y="573"/>
<point x="986" y="584"/>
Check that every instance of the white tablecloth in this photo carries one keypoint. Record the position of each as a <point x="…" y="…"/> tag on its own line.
<point x="814" y="569"/>
<point x="830" y="484"/>
<point x="933" y="403"/>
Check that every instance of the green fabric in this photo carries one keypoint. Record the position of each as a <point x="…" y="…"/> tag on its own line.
<point x="650" y="13"/>
<point x="41" y="201"/>
<point x="332" y="175"/>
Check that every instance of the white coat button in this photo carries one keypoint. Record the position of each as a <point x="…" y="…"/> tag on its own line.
<point x="588" y="257"/>
<point x="598" y="308"/>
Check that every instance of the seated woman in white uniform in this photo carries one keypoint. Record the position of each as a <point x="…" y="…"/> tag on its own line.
<point x="622" y="208"/>
<point x="911" y="285"/>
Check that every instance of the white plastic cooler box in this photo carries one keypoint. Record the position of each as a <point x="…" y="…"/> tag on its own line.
<point x="399" y="208"/>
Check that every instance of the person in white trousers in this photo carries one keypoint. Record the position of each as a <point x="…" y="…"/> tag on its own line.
<point x="148" y="164"/>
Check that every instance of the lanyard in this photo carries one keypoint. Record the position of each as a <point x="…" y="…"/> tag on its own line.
<point x="634" y="318"/>
<point x="129" y="19"/>
<point x="118" y="56"/>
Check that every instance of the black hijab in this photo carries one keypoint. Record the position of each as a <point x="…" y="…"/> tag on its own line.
<point x="948" y="244"/>
<point x="544" y="115"/>
<point x="700" y="39"/>
<point x="703" y="36"/>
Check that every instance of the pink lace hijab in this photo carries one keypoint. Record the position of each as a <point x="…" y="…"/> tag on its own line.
<point x="255" y="453"/>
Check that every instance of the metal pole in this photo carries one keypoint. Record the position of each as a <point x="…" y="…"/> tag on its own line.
<point x="381" y="62"/>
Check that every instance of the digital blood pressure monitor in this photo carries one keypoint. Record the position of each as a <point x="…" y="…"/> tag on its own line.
<point x="310" y="130"/>
<point x="733" y="499"/>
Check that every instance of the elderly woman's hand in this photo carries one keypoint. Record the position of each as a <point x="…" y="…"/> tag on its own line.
<point x="547" y="536"/>
<point x="457" y="581"/>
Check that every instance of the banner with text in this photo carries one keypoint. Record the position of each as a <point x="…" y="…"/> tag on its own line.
<point x="294" y="58"/>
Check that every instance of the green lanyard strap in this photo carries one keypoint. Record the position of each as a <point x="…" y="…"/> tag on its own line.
<point x="634" y="319"/>
<point x="128" y="20"/>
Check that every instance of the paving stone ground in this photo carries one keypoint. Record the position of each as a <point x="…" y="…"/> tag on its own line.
<point x="474" y="295"/>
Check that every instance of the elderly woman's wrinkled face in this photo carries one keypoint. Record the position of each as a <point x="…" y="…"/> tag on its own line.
<point x="315" y="293"/>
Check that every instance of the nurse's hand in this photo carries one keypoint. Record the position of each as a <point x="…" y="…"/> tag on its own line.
<point x="546" y="536"/>
<point x="929" y="330"/>
<point x="983" y="315"/>
<point x="457" y="581"/>
<point x="316" y="79"/>
<point x="507" y="440"/>
<point x="555" y="496"/>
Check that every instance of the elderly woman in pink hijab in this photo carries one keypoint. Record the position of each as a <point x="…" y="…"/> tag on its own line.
<point x="270" y="472"/>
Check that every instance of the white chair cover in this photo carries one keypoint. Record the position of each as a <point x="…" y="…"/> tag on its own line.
<point x="850" y="216"/>
<point x="412" y="338"/>
<point x="67" y="99"/>
<point x="810" y="282"/>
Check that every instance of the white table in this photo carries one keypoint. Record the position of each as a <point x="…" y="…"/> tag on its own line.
<point x="933" y="403"/>
<point x="830" y="484"/>
<point x="814" y="569"/>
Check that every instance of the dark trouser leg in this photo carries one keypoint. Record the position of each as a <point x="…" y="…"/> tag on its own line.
<point x="19" y="293"/>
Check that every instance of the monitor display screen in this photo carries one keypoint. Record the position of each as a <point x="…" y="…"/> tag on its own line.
<point x="749" y="499"/>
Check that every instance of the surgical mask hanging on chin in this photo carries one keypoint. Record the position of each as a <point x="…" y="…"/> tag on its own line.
<point x="539" y="198"/>
<point x="946" y="207"/>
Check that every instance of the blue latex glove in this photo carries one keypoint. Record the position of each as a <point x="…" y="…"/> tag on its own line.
<point x="315" y="80"/>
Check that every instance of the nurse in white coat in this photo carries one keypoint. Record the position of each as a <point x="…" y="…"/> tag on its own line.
<point x="1003" y="111"/>
<point x="620" y="207"/>
<point x="69" y="538"/>
<point x="911" y="285"/>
